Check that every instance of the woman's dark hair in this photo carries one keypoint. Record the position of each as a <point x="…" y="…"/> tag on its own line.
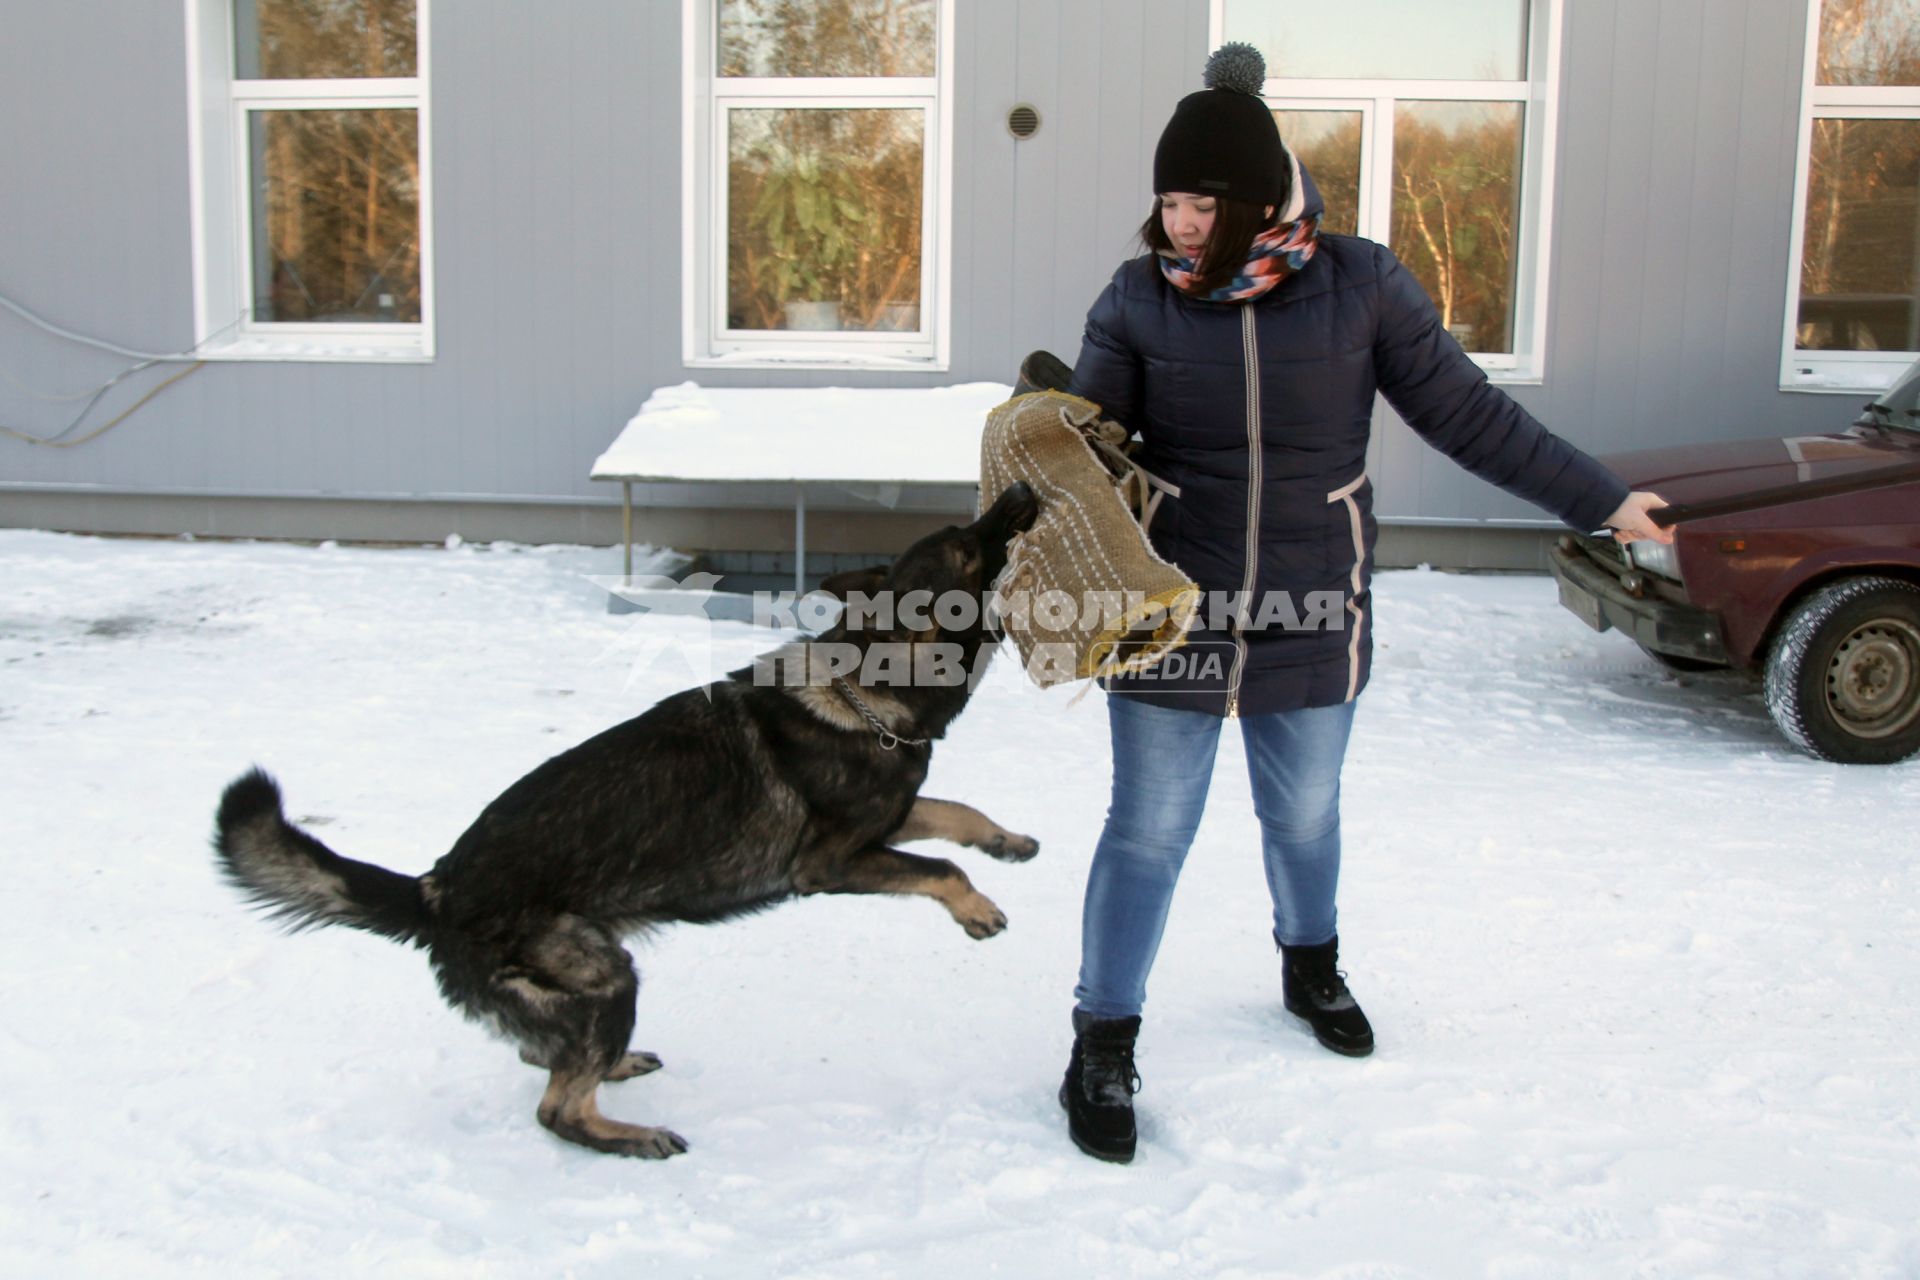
<point x="1235" y="224"/>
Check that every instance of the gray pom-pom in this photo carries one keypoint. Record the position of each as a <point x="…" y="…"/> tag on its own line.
<point x="1237" y="66"/>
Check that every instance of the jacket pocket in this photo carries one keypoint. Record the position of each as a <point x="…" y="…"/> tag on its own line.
<point x="1345" y="542"/>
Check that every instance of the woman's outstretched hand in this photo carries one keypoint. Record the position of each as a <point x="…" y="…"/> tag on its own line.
<point x="1631" y="521"/>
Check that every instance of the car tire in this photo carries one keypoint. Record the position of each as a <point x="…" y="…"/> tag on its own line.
<point x="1843" y="675"/>
<point x="1673" y="662"/>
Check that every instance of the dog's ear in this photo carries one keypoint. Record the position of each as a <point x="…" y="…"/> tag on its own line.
<point x="867" y="581"/>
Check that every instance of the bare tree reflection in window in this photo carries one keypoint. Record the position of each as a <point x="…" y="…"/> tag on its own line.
<point x="1327" y="144"/>
<point x="324" y="39"/>
<point x="1860" y="260"/>
<point x="336" y="215"/>
<point x="1869" y="42"/>
<point x="1456" y="205"/>
<point x="827" y="37"/>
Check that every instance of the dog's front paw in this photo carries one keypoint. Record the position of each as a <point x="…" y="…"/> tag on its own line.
<point x="980" y="918"/>
<point x="1009" y="847"/>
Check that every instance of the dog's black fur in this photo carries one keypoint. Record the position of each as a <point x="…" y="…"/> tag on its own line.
<point x="718" y="800"/>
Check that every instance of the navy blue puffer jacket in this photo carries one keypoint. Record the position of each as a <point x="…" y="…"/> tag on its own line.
<point x="1260" y="412"/>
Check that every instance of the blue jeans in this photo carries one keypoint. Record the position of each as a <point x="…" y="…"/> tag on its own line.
<point x="1162" y="763"/>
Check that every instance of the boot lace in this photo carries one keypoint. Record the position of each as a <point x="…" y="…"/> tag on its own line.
<point x="1325" y="985"/>
<point x="1329" y="986"/>
<point x="1107" y="1073"/>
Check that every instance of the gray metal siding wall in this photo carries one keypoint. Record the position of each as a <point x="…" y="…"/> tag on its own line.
<point x="557" y="240"/>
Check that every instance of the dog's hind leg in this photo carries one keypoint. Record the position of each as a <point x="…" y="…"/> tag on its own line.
<point x="568" y="995"/>
<point x="571" y="1109"/>
<point x="634" y="1063"/>
<point x="949" y="820"/>
<point x="890" y="871"/>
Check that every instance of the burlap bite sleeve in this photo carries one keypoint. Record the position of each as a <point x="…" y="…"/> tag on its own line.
<point x="1084" y="593"/>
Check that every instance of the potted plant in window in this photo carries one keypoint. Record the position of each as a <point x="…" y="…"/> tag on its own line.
<point x="807" y="216"/>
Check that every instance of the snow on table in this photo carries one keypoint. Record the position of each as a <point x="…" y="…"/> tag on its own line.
<point x="884" y="435"/>
<point x="1643" y="977"/>
<point x="868" y="440"/>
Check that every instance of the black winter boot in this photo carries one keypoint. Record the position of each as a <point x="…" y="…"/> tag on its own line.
<point x="1100" y="1084"/>
<point x="1317" y="991"/>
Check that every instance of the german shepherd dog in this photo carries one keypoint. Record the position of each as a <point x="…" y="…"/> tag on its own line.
<point x="717" y="801"/>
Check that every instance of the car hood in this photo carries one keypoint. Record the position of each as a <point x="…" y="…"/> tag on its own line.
<point x="1702" y="472"/>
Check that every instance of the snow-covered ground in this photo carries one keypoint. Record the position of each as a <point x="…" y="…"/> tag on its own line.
<point x="1644" y="978"/>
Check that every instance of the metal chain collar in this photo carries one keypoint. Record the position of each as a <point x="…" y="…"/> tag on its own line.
<point x="888" y="738"/>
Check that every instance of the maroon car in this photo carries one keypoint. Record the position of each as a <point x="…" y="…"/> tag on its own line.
<point x="1795" y="559"/>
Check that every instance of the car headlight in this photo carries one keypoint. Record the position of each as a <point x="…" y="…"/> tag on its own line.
<point x="1662" y="558"/>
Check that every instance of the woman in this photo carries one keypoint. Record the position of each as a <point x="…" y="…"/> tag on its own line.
<point x="1246" y="350"/>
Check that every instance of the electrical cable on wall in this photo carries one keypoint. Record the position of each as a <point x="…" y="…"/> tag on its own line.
<point x="82" y="338"/>
<point x="55" y="442"/>
<point x="59" y="397"/>
<point x="146" y="359"/>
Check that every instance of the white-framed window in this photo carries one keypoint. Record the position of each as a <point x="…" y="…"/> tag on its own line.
<point x="817" y="167"/>
<point x="1430" y="128"/>
<point x="311" y="183"/>
<point x="1853" y="283"/>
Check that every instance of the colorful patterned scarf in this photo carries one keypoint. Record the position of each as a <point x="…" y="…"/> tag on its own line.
<point x="1277" y="254"/>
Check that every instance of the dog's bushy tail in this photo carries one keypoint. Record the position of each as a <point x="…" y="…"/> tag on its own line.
<point x="299" y="881"/>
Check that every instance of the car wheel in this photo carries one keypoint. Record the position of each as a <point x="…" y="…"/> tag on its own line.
<point x="1843" y="676"/>
<point x="1673" y="662"/>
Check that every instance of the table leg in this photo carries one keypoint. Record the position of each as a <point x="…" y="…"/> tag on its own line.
<point x="626" y="528"/>
<point x="799" y="541"/>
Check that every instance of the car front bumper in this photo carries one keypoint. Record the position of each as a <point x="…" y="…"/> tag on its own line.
<point x="1599" y="588"/>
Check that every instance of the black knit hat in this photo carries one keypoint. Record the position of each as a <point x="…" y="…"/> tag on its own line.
<point x="1222" y="140"/>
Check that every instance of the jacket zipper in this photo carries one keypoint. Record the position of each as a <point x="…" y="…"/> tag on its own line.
<point x="1250" y="349"/>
